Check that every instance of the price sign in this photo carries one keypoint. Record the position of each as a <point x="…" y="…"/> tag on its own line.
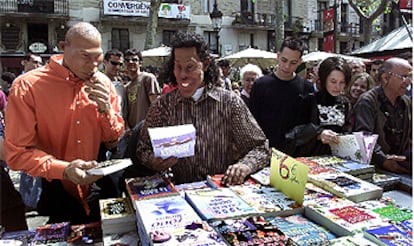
<point x="288" y="175"/>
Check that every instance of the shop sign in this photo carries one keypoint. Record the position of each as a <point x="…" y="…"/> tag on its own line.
<point x="38" y="47"/>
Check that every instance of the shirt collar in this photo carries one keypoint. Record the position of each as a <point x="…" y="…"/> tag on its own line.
<point x="209" y="91"/>
<point x="55" y="62"/>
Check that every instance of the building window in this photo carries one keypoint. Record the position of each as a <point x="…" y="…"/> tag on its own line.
<point x="10" y="37"/>
<point x="212" y="39"/>
<point x="167" y="36"/>
<point x="120" y="39"/>
<point x="344" y="17"/>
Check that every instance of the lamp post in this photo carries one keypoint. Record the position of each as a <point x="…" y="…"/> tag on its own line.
<point x="216" y="18"/>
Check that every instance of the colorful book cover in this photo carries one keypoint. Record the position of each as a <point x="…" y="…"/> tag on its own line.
<point x="302" y="231"/>
<point x="356" y="146"/>
<point x="191" y="186"/>
<point x="395" y="234"/>
<point x="314" y="167"/>
<point x="348" y="186"/>
<point x="343" y="220"/>
<point x="217" y="203"/>
<point x="288" y="175"/>
<point x="250" y="230"/>
<point x="177" y="141"/>
<point x="149" y="187"/>
<point x="116" y="210"/>
<point x="393" y="213"/>
<point x="265" y="199"/>
<point x="51" y="233"/>
<point x="313" y="194"/>
<point x="158" y="218"/>
<point x="326" y="160"/>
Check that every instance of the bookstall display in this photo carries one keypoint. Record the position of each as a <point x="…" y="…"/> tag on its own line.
<point x="333" y="208"/>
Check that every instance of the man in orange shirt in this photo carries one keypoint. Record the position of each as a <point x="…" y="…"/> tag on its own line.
<point x="56" y="118"/>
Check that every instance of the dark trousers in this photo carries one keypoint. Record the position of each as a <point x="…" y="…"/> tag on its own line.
<point x="60" y="206"/>
<point x="12" y="207"/>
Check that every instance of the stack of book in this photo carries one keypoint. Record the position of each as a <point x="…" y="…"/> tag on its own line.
<point x="266" y="199"/>
<point x="117" y="216"/>
<point x="347" y="186"/>
<point x="217" y="203"/>
<point x="170" y="220"/>
<point x="250" y="230"/>
<point x="395" y="234"/>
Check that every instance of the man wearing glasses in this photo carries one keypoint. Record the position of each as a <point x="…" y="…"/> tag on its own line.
<point x="386" y="110"/>
<point x="141" y="91"/>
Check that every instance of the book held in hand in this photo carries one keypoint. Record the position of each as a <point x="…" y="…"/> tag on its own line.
<point x="356" y="146"/>
<point x="177" y="141"/>
<point x="110" y="166"/>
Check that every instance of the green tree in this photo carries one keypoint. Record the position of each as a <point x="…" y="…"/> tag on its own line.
<point x="368" y="11"/>
<point x="151" y="37"/>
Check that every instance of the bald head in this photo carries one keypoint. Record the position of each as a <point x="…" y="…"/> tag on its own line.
<point x="82" y="30"/>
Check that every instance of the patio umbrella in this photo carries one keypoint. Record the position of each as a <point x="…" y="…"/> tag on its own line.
<point x="258" y="57"/>
<point x="318" y="56"/>
<point x="156" y="56"/>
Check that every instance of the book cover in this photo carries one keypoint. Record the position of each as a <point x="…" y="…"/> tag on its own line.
<point x="343" y="219"/>
<point x="326" y="160"/>
<point x="191" y="186"/>
<point x="217" y="203"/>
<point x="262" y="176"/>
<point x="394" y="214"/>
<point x="395" y="234"/>
<point x="116" y="210"/>
<point x="110" y="166"/>
<point x="149" y="187"/>
<point x="250" y="230"/>
<point x="288" y="175"/>
<point x="356" y="146"/>
<point x="302" y="230"/>
<point x="352" y="240"/>
<point x="177" y="141"/>
<point x="51" y="233"/>
<point x="313" y="194"/>
<point x="315" y="167"/>
<point x="348" y="186"/>
<point x="266" y="199"/>
<point x="216" y="181"/>
<point x="158" y="218"/>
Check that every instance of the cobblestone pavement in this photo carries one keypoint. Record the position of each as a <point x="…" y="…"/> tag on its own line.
<point x="33" y="219"/>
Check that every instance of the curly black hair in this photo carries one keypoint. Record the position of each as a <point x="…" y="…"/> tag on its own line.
<point x="186" y="40"/>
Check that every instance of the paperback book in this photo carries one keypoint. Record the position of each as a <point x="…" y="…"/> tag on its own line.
<point x="357" y="239"/>
<point x="250" y="230"/>
<point x="172" y="221"/>
<point x="178" y="141"/>
<point x="266" y="199"/>
<point x="343" y="220"/>
<point x="399" y="234"/>
<point x="302" y="230"/>
<point x="117" y="215"/>
<point x="348" y="186"/>
<point x="110" y="166"/>
<point x="356" y="146"/>
<point x="140" y="188"/>
<point x="217" y="203"/>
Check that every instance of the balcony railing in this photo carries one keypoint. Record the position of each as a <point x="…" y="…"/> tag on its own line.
<point x="57" y="7"/>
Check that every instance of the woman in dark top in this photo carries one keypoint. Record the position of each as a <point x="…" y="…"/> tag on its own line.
<point x="332" y="105"/>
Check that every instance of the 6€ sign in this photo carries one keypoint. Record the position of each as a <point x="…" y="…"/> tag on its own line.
<point x="288" y="175"/>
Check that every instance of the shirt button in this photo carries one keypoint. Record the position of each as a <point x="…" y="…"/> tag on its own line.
<point x="77" y="102"/>
<point x="77" y="122"/>
<point x="78" y="141"/>
<point x="67" y="78"/>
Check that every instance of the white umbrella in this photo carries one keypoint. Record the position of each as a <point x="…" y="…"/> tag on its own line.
<point x="258" y="57"/>
<point x="318" y="56"/>
<point x="156" y="56"/>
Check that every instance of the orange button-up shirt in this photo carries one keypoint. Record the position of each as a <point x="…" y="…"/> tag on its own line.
<point x="50" y="122"/>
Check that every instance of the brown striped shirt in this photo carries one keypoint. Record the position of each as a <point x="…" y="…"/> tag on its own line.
<point x="225" y="129"/>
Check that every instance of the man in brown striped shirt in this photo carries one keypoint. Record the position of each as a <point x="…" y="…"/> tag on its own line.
<point x="228" y="139"/>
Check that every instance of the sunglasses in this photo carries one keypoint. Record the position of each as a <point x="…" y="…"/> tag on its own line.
<point x="116" y="63"/>
<point x="131" y="59"/>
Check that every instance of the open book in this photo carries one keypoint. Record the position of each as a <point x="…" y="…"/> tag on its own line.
<point x="356" y="146"/>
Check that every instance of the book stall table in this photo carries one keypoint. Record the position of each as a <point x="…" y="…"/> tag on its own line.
<point x="345" y="208"/>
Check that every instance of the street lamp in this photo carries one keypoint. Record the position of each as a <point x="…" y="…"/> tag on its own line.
<point x="216" y="18"/>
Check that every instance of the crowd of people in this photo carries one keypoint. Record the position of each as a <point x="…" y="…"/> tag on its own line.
<point x="71" y="115"/>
